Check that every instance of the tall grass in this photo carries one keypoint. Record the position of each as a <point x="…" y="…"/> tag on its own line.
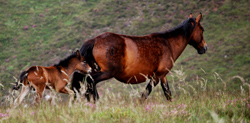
<point x="199" y="100"/>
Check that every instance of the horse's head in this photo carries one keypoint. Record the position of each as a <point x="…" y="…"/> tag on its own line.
<point x="82" y="66"/>
<point x="197" y="40"/>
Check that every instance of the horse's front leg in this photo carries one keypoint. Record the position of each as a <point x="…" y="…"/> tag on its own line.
<point x="149" y="88"/>
<point x="91" y="89"/>
<point x="166" y="89"/>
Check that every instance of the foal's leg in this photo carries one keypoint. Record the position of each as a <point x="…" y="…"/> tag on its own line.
<point x="66" y="90"/>
<point x="25" y="90"/>
<point x="149" y="88"/>
<point x="166" y="89"/>
<point x="39" y="92"/>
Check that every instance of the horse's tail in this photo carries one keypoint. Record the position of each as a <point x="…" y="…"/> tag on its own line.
<point x="22" y="76"/>
<point x="86" y="51"/>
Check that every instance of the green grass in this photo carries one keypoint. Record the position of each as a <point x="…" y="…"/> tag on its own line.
<point x="55" y="28"/>
<point x="43" y="32"/>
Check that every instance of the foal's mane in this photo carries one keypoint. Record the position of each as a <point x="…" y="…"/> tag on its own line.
<point x="65" y="62"/>
<point x="184" y="28"/>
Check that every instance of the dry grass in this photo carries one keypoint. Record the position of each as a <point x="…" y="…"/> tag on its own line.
<point x="197" y="101"/>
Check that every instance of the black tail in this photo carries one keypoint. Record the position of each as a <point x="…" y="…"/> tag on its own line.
<point x="23" y="75"/>
<point x="21" y="78"/>
<point x="86" y="51"/>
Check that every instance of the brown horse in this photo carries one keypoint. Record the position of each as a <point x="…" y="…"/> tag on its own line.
<point x="56" y="76"/>
<point x="130" y="58"/>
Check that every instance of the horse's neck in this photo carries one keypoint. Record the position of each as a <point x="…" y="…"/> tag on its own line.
<point x="70" y="69"/>
<point x="178" y="45"/>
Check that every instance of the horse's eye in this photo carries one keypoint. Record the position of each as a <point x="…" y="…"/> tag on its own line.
<point x="84" y="62"/>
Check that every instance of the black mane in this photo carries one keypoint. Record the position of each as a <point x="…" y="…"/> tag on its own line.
<point x="185" y="28"/>
<point x="65" y="62"/>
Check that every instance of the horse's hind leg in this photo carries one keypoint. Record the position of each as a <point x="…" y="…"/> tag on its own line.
<point x="149" y="88"/>
<point x="39" y="93"/>
<point x="166" y="89"/>
<point x="25" y="90"/>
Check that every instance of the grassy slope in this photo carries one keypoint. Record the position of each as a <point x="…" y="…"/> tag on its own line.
<point x="55" y="28"/>
<point x="63" y="26"/>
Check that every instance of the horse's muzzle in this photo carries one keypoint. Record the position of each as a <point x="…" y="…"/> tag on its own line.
<point x="203" y="50"/>
<point x="90" y="70"/>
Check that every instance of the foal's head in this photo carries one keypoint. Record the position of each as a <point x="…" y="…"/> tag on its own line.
<point x="197" y="40"/>
<point x="81" y="65"/>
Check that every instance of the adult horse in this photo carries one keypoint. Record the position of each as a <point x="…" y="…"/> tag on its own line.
<point x="130" y="58"/>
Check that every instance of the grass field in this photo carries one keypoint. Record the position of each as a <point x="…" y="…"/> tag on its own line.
<point x="192" y="102"/>
<point x="213" y="87"/>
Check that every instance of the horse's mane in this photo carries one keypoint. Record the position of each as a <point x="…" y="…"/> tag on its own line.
<point x="65" y="62"/>
<point x="184" y="28"/>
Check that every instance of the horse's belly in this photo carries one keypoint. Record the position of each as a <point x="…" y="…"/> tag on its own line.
<point x="134" y="75"/>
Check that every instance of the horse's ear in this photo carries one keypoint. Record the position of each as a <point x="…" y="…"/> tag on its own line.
<point x="198" y="18"/>
<point x="78" y="53"/>
<point x="190" y="16"/>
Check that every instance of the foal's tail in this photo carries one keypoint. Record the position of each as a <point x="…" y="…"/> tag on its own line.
<point x="22" y="76"/>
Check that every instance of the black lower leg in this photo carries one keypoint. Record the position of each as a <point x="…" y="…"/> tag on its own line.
<point x="148" y="90"/>
<point x="91" y="89"/>
<point x="166" y="90"/>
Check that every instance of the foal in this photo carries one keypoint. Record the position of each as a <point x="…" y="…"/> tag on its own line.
<point x="56" y="76"/>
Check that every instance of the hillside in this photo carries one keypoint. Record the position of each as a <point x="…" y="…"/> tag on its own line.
<point x="43" y="32"/>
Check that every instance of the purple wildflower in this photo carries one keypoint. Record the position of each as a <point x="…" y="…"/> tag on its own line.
<point x="181" y="11"/>
<point x="147" y="108"/>
<point x="3" y="115"/>
<point x="41" y="15"/>
<point x="26" y="28"/>
<point x="141" y="19"/>
<point x="174" y="111"/>
<point x="33" y="26"/>
<point x="7" y="60"/>
<point x="32" y="113"/>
